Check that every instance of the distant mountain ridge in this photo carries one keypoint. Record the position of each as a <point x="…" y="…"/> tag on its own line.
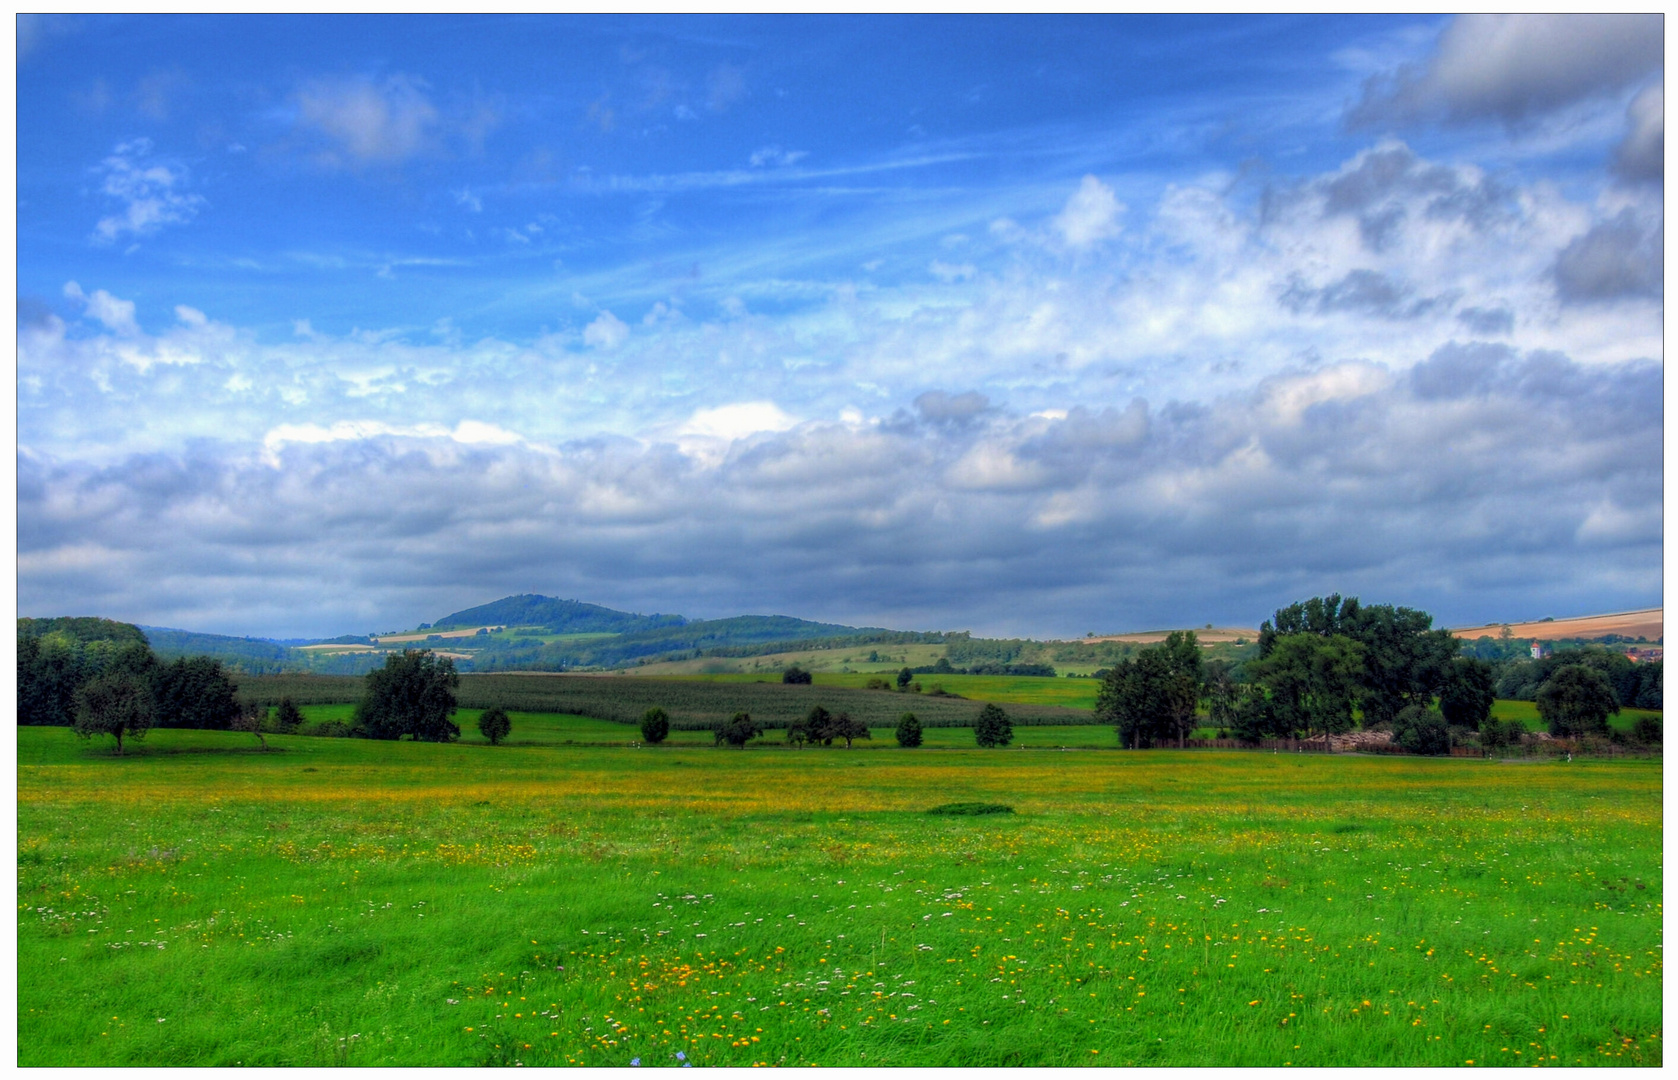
<point x="558" y="616"/>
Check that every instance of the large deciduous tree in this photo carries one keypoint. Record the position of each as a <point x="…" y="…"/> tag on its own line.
<point x="412" y="695"/>
<point x="1466" y="697"/>
<point x="1152" y="696"/>
<point x="1311" y="682"/>
<point x="196" y="692"/>
<point x="1576" y="700"/>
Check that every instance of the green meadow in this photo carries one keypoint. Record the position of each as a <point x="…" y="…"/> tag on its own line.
<point x="339" y="901"/>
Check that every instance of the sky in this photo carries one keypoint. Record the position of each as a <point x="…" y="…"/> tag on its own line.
<point x="1026" y="326"/>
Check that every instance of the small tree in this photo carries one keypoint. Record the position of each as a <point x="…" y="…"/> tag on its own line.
<point x="1576" y="700"/>
<point x="797" y="676"/>
<point x="1422" y="731"/>
<point x="843" y="727"/>
<point x="115" y="704"/>
<point x="288" y="717"/>
<point x="740" y="730"/>
<point x="992" y="727"/>
<point x="813" y="728"/>
<point x="904" y="678"/>
<point x="1647" y="730"/>
<point x="495" y="725"/>
<point x="251" y="720"/>
<point x="908" y="731"/>
<point x="655" y="725"/>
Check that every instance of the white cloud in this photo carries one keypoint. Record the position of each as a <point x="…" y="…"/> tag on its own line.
<point x="737" y="421"/>
<point x="607" y="331"/>
<point x="774" y="156"/>
<point x="151" y="193"/>
<point x="116" y="315"/>
<point x="1091" y="215"/>
<point x="369" y="123"/>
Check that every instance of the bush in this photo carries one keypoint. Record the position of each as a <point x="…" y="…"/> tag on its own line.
<point x="494" y="725"/>
<point x="1499" y="733"/>
<point x="971" y="809"/>
<point x="330" y="729"/>
<point x="1422" y="731"/>
<point x="878" y="684"/>
<point x="992" y="727"/>
<point x="797" y="676"/>
<point x="904" y="678"/>
<point x="1647" y="730"/>
<point x="655" y="726"/>
<point x="909" y="731"/>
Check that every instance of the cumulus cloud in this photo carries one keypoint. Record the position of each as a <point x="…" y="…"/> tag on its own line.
<point x="1482" y="468"/>
<point x="150" y="193"/>
<point x="1513" y="67"/>
<point x="367" y="122"/>
<point x="1618" y="258"/>
<point x="1090" y="216"/>
<point x="116" y="315"/>
<point x="607" y="331"/>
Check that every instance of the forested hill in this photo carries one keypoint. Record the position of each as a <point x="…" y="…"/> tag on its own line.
<point x="557" y="616"/>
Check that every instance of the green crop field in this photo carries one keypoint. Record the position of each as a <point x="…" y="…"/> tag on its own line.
<point x="371" y="903"/>
<point x="1003" y="689"/>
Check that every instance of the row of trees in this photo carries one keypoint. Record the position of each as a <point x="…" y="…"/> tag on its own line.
<point x="1326" y="663"/>
<point x="991" y="728"/>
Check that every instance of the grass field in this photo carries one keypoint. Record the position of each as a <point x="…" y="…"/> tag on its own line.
<point x="351" y="902"/>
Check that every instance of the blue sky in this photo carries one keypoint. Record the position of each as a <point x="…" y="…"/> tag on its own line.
<point x="1029" y="326"/>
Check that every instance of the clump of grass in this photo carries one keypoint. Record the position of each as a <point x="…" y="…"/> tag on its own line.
<point x="971" y="809"/>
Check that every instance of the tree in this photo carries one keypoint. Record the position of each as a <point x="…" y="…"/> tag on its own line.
<point x="252" y="719"/>
<point x="655" y="725"/>
<point x="116" y="704"/>
<point x="1498" y="733"/>
<point x="1152" y="696"/>
<point x="904" y="678"/>
<point x="797" y="676"/>
<point x="288" y="717"/>
<point x="739" y="730"/>
<point x="1404" y="660"/>
<point x="495" y="725"/>
<point x="1422" y="730"/>
<point x="195" y="692"/>
<point x="1312" y="682"/>
<point x="1255" y="716"/>
<point x="992" y="727"/>
<point x="1576" y="700"/>
<point x="843" y="727"/>
<point x="908" y="731"/>
<point x="1222" y="697"/>
<point x="1467" y="695"/>
<point x="413" y="695"/>
<point x="813" y="728"/>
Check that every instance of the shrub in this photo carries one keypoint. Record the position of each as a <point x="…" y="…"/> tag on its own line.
<point x="1647" y="730"/>
<point x="655" y="725"/>
<point x="1498" y="733"/>
<point x="494" y="725"/>
<point x="878" y="684"/>
<point x="1422" y="731"/>
<point x="909" y="731"/>
<point x="992" y="727"/>
<point x="971" y="809"/>
<point x="904" y="678"/>
<point x="797" y="676"/>
<point x="330" y="729"/>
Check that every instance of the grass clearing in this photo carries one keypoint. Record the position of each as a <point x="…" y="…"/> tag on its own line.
<point x="351" y="902"/>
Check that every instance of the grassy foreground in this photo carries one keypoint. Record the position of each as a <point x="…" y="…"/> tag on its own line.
<point x="342" y="901"/>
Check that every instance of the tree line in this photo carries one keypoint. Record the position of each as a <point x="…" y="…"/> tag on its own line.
<point x="1327" y="664"/>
